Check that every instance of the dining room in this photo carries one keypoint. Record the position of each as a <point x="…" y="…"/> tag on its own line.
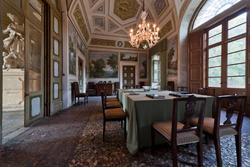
<point x="120" y="83"/>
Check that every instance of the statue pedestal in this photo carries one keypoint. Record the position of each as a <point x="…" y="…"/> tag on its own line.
<point x="13" y="90"/>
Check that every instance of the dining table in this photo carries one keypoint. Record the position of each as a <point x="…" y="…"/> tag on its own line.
<point x="143" y="111"/>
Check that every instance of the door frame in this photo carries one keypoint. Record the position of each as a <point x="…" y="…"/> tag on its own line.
<point x="126" y="63"/>
<point x="1" y="77"/>
<point x="28" y="119"/>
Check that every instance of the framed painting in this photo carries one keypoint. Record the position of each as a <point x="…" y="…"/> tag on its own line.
<point x="172" y="56"/>
<point x="143" y="65"/>
<point x="103" y="65"/>
<point x="72" y="49"/>
<point x="129" y="57"/>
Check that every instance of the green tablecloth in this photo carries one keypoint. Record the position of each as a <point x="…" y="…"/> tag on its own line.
<point x="143" y="111"/>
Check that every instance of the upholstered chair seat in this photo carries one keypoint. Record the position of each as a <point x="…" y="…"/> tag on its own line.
<point x="112" y="99"/>
<point x="113" y="104"/>
<point x="115" y="113"/>
<point x="208" y="127"/>
<point x="165" y="128"/>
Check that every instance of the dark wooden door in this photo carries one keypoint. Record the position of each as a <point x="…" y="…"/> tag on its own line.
<point x="195" y="61"/>
<point x="128" y="74"/>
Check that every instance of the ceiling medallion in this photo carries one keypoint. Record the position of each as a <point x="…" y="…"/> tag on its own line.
<point x="146" y="35"/>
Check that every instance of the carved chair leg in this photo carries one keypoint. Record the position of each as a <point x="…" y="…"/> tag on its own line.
<point x="218" y="151"/>
<point x="125" y="132"/>
<point x="200" y="154"/>
<point x="152" y="138"/>
<point x="238" y="149"/>
<point x="174" y="155"/>
<point x="103" y="132"/>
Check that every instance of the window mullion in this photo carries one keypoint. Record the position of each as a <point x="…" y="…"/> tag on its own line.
<point x="224" y="56"/>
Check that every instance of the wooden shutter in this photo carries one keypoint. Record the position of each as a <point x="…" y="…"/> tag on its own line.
<point x="195" y="60"/>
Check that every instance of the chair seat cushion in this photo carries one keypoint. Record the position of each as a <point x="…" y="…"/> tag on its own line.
<point x="113" y="104"/>
<point x="112" y="99"/>
<point x="81" y="95"/>
<point x="114" y="113"/>
<point x="208" y="127"/>
<point x="165" y="129"/>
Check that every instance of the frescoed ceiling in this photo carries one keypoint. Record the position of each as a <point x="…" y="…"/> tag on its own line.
<point x="112" y="19"/>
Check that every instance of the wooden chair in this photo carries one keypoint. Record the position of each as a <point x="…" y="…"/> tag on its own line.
<point x="181" y="132"/>
<point x="182" y="89"/>
<point x="217" y="128"/>
<point x="203" y="91"/>
<point x="76" y="93"/>
<point x="170" y="85"/>
<point x="91" y="90"/>
<point x="111" y="102"/>
<point x="112" y="114"/>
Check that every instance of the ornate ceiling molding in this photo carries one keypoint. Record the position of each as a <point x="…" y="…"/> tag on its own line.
<point x="80" y="21"/>
<point x="111" y="19"/>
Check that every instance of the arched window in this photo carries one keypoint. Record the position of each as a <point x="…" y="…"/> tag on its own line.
<point x="211" y="9"/>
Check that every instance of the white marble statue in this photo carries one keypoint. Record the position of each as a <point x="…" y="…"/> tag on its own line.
<point x="13" y="45"/>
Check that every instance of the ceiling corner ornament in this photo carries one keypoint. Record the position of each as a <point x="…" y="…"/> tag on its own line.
<point x="146" y="35"/>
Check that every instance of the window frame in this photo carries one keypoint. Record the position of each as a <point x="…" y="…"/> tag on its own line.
<point x="224" y="52"/>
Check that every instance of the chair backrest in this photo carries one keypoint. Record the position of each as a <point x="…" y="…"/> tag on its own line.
<point x="182" y="89"/>
<point x="194" y="108"/>
<point x="142" y="83"/>
<point x="170" y="85"/>
<point x="91" y="85"/>
<point x="231" y="104"/>
<point x="75" y="88"/>
<point x="203" y="91"/>
<point x="103" y="102"/>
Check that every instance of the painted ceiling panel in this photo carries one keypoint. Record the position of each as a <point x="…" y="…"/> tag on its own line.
<point x="115" y="17"/>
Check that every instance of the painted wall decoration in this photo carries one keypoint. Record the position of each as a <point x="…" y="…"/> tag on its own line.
<point x="72" y="49"/>
<point x="143" y="66"/>
<point x="80" y="21"/>
<point x="126" y="9"/>
<point x="172" y="56"/>
<point x="103" y="65"/>
<point x="129" y="57"/>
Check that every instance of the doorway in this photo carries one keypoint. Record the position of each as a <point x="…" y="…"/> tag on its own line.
<point x="128" y="76"/>
<point x="23" y="66"/>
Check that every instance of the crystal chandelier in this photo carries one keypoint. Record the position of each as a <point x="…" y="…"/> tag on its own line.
<point x="146" y="35"/>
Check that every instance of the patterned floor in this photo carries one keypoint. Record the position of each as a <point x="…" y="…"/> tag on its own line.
<point x="74" y="138"/>
<point x="91" y="151"/>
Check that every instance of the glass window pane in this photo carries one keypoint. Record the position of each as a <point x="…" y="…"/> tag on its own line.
<point x="212" y="8"/>
<point x="35" y="55"/>
<point x="215" y="61"/>
<point x="236" y="45"/>
<point x="214" y="72"/>
<point x="237" y="31"/>
<point x="236" y="82"/>
<point x="238" y="57"/>
<point x="237" y="20"/>
<point x="214" y="39"/>
<point x="235" y="70"/>
<point x="215" y="31"/>
<point x="215" y="51"/>
<point x="214" y="82"/>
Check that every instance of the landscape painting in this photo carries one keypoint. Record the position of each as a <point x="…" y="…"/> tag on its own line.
<point x="72" y="49"/>
<point x="172" y="57"/>
<point x="143" y="66"/>
<point x="103" y="65"/>
<point x="129" y="57"/>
